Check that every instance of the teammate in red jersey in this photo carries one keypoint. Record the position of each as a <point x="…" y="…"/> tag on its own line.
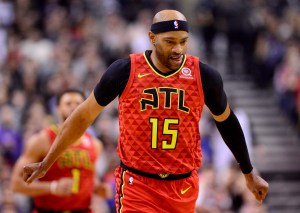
<point x="161" y="96"/>
<point x="71" y="181"/>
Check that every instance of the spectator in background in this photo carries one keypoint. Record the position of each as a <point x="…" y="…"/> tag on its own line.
<point x="268" y="51"/>
<point x="211" y="199"/>
<point x="206" y="23"/>
<point x="287" y="81"/>
<point x="6" y="20"/>
<point x="234" y="19"/>
<point x="34" y="119"/>
<point x="11" y="143"/>
<point x="114" y="46"/>
<point x="137" y="31"/>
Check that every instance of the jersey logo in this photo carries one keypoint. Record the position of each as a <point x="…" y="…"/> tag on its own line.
<point x="140" y="75"/>
<point x="183" y="191"/>
<point x="163" y="175"/>
<point x="176" y="24"/>
<point x="130" y="181"/>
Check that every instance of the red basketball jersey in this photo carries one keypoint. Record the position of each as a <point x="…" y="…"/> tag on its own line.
<point x="77" y="162"/>
<point x="159" y="118"/>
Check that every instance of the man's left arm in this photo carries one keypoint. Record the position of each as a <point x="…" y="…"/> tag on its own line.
<point x="230" y="129"/>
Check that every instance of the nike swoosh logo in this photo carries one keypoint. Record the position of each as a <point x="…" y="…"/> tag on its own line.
<point x="183" y="191"/>
<point x="140" y="75"/>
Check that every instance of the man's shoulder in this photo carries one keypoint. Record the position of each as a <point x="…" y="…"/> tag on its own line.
<point x="122" y="61"/>
<point x="119" y="64"/>
<point x="38" y="143"/>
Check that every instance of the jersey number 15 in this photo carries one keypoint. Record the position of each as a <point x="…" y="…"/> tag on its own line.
<point x="166" y="130"/>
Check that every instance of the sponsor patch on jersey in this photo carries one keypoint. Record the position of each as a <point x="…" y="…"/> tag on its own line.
<point x="186" y="73"/>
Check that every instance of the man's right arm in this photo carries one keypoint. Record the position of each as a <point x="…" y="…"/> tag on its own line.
<point x="72" y="129"/>
<point x="84" y="115"/>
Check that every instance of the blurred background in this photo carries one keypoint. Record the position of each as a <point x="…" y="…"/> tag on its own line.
<point x="47" y="46"/>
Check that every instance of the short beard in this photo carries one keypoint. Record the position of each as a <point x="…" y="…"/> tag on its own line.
<point x="159" y="56"/>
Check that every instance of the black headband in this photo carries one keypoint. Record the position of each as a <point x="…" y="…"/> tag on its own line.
<point x="172" y="25"/>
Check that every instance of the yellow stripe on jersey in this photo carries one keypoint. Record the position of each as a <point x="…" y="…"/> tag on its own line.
<point x="223" y="116"/>
<point x="54" y="128"/>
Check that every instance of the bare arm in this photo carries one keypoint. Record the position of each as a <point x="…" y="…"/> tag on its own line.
<point x="72" y="129"/>
<point x="258" y="186"/>
<point x="35" y="150"/>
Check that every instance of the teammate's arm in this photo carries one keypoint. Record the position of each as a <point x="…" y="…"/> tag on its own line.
<point x="109" y="87"/>
<point x="35" y="149"/>
<point x="72" y="129"/>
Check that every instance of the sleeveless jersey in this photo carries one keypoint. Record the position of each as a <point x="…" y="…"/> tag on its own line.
<point x="159" y="118"/>
<point x="77" y="162"/>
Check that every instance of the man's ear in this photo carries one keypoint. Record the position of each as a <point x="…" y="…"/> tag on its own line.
<point x="151" y="37"/>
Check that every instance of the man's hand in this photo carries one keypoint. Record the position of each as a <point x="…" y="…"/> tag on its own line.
<point x="104" y="190"/>
<point x="62" y="187"/>
<point x="258" y="186"/>
<point x="33" y="171"/>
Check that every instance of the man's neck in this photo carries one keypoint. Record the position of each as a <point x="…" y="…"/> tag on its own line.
<point x="158" y="64"/>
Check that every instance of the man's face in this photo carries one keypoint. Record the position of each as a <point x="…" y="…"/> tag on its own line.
<point x="68" y="103"/>
<point x="170" y="48"/>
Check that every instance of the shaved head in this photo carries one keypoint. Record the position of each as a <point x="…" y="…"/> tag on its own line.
<point x="169" y="37"/>
<point x="167" y="15"/>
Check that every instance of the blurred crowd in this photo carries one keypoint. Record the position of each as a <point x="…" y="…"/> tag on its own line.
<point x="51" y="45"/>
<point x="262" y="39"/>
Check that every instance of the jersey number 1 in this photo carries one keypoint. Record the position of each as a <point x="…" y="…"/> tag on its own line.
<point x="76" y="180"/>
